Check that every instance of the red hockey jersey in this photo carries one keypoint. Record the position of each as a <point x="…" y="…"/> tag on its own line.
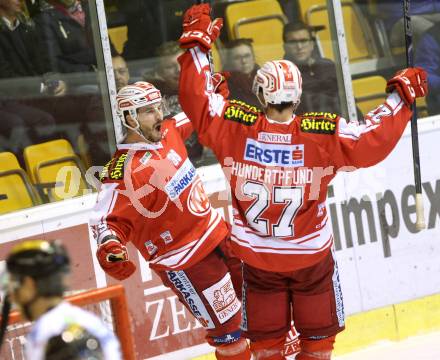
<point x="152" y="196"/>
<point x="279" y="172"/>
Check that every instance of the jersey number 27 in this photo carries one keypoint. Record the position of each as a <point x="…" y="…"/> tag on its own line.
<point x="290" y="196"/>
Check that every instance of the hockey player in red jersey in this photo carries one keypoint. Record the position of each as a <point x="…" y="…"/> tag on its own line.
<point x="279" y="166"/>
<point x="152" y="196"/>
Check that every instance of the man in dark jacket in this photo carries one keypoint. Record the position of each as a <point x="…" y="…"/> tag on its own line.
<point x="320" y="86"/>
<point x="22" y="53"/>
<point x="63" y="25"/>
<point x="242" y="66"/>
<point x="21" y="56"/>
<point x="18" y="43"/>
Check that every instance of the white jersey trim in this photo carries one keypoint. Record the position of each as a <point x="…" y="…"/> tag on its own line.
<point x="181" y="119"/>
<point x="140" y="146"/>
<point x="200" y="58"/>
<point x="105" y="203"/>
<point x="309" y="244"/>
<point x="246" y="244"/>
<point x="354" y="131"/>
<point x="181" y="256"/>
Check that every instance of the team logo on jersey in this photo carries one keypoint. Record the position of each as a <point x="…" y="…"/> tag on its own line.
<point x="114" y="169"/>
<point x="241" y="112"/>
<point x="147" y="156"/>
<point x="183" y="177"/>
<point x="182" y="284"/>
<point x="274" y="154"/>
<point x="198" y="201"/>
<point x="174" y="157"/>
<point x="166" y="237"/>
<point x="151" y="248"/>
<point x="223" y="299"/>
<point x="271" y="138"/>
<point x="318" y="123"/>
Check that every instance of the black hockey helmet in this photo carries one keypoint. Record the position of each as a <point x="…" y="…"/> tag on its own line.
<point x="37" y="258"/>
<point x="74" y="343"/>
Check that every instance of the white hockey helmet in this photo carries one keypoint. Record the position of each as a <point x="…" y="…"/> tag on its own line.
<point x="135" y="96"/>
<point x="279" y="82"/>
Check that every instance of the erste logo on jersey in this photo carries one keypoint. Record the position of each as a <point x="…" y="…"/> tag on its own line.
<point x="318" y="123"/>
<point x="198" y="201"/>
<point x="183" y="177"/>
<point x="274" y="154"/>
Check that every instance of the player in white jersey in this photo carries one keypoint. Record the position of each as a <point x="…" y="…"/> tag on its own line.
<point x="36" y="283"/>
<point x="74" y="343"/>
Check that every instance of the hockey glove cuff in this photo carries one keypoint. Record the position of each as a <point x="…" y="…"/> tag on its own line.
<point x="410" y="83"/>
<point x="199" y="29"/>
<point x="113" y="258"/>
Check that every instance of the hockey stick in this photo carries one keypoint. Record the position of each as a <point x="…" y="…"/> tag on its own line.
<point x="420" y="216"/>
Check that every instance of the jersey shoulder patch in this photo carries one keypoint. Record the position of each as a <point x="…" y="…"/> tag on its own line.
<point x="241" y="112"/>
<point x="114" y="169"/>
<point x="319" y="123"/>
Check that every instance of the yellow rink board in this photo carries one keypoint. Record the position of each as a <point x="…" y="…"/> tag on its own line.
<point x="395" y="322"/>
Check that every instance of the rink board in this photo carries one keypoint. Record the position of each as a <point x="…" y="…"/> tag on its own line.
<point x="382" y="260"/>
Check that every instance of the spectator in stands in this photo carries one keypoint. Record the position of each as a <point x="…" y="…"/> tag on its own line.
<point x="63" y="24"/>
<point x="120" y="69"/>
<point x="21" y="56"/>
<point x="240" y="63"/>
<point x="428" y="57"/>
<point x="95" y="128"/>
<point x="320" y="87"/>
<point x="37" y="279"/>
<point x="21" y="52"/>
<point x="424" y="14"/>
<point x="166" y="74"/>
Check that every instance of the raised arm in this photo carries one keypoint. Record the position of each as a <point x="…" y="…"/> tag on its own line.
<point x="197" y="94"/>
<point x="363" y="145"/>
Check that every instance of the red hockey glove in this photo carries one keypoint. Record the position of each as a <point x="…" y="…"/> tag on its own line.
<point x="410" y="83"/>
<point x="113" y="258"/>
<point x="220" y="84"/>
<point x="198" y="28"/>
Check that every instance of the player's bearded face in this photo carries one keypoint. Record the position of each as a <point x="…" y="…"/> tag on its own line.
<point x="150" y="119"/>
